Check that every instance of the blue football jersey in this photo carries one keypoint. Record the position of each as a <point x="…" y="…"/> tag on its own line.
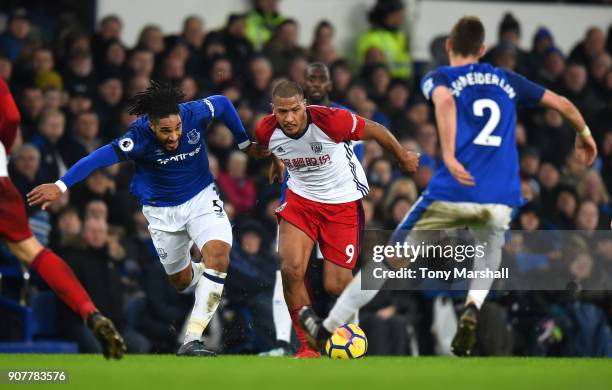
<point x="163" y="178"/>
<point x="486" y="98"/>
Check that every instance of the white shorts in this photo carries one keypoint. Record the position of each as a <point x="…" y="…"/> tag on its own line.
<point x="487" y="222"/>
<point x="174" y="229"/>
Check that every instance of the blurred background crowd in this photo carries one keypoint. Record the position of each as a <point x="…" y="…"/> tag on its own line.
<point x="71" y="79"/>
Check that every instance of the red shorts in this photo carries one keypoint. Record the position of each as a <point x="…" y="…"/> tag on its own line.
<point x="13" y="218"/>
<point x="336" y="227"/>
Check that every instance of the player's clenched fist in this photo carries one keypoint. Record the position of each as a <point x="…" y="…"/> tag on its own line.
<point x="257" y="151"/>
<point x="586" y="148"/>
<point x="45" y="194"/>
<point x="409" y="161"/>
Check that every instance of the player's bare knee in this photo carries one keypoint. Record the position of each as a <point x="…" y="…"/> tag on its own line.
<point x="333" y="287"/>
<point x="292" y="272"/>
<point x="336" y="284"/>
<point x="26" y="250"/>
<point x="216" y="255"/>
<point x="218" y="263"/>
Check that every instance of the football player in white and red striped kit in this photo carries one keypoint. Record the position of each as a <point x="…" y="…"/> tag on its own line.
<point x="325" y="188"/>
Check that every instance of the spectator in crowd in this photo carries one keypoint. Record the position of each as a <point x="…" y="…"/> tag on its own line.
<point x="97" y="272"/>
<point x="71" y="85"/>
<point x="593" y="44"/>
<point x="192" y="36"/>
<point x="507" y="52"/>
<point x="141" y="63"/>
<point x="385" y="40"/>
<point x="236" y="185"/>
<point x="50" y="130"/>
<point x="80" y="70"/>
<point x="322" y="48"/>
<point x="261" y="22"/>
<point x="165" y="310"/>
<point x="108" y="105"/>
<point x="6" y="67"/>
<point x="32" y="104"/>
<point x="552" y="68"/>
<point x="385" y="320"/>
<point x="86" y="133"/>
<point x="575" y="86"/>
<point x="283" y="47"/>
<point x="239" y="48"/>
<point x="24" y="168"/>
<point x="251" y="260"/>
<point x="260" y="84"/>
<point x="110" y="29"/>
<point x="151" y="39"/>
<point x="13" y="40"/>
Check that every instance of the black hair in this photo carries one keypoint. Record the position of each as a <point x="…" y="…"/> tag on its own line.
<point x="318" y="65"/>
<point x="288" y="89"/>
<point x="158" y="101"/>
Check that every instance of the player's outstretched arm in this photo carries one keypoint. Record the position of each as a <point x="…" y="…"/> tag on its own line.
<point x="446" y="114"/>
<point x="585" y="144"/>
<point x="407" y="160"/>
<point x="220" y="106"/>
<point x="46" y="194"/>
<point x="256" y="151"/>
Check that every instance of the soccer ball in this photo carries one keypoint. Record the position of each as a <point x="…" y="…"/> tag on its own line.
<point x="347" y="342"/>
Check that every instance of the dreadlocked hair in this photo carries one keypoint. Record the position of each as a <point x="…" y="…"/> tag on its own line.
<point x="158" y="101"/>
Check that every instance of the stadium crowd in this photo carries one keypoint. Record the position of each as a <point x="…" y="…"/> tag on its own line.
<point x="71" y="86"/>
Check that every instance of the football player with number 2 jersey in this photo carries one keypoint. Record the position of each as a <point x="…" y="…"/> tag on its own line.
<point x="478" y="184"/>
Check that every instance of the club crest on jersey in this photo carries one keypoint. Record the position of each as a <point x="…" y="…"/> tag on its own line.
<point x="162" y="253"/>
<point x="193" y="137"/>
<point x="126" y="144"/>
<point x="316" y="147"/>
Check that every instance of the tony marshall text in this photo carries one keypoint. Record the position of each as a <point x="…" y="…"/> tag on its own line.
<point x="426" y="273"/>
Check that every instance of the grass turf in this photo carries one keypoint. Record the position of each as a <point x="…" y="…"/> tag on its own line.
<point x="249" y="372"/>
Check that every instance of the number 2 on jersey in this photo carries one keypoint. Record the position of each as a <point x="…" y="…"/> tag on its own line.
<point x="485" y="138"/>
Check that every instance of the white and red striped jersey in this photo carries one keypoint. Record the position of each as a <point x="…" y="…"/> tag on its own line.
<point x="321" y="162"/>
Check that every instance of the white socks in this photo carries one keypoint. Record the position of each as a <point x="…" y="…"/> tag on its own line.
<point x="280" y="312"/>
<point x="348" y="304"/>
<point x="207" y="297"/>
<point x="197" y="269"/>
<point x="477" y="297"/>
<point x="479" y="288"/>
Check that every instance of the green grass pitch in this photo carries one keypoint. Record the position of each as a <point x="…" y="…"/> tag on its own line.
<point x="249" y="372"/>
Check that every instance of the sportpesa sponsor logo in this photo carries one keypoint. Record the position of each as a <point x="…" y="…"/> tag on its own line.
<point x="179" y="157"/>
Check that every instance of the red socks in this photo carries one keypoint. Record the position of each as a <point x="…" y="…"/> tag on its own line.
<point x="58" y="275"/>
<point x="298" y="329"/>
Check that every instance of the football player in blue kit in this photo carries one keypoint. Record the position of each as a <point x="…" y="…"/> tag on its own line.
<point x="176" y="188"/>
<point x="478" y="184"/>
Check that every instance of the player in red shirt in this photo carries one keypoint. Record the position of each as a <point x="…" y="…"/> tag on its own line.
<point x="325" y="188"/>
<point x="15" y="231"/>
